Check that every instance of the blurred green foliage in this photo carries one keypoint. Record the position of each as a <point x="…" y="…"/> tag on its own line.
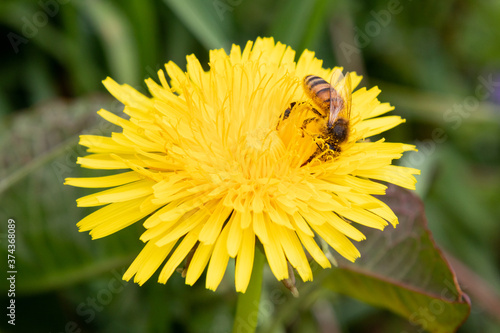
<point x="437" y="62"/>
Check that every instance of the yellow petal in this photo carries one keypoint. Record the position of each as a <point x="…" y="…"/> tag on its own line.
<point x="299" y="223"/>
<point x="313" y="249"/>
<point x="213" y="225"/>
<point x="244" y="261"/>
<point x="259" y="227"/>
<point x="106" y="181"/>
<point x="103" y="161"/>
<point x="338" y="241"/>
<point x="397" y="175"/>
<point x="147" y="262"/>
<point x="126" y="94"/>
<point x="122" y="193"/>
<point x="363" y="217"/>
<point x="198" y="262"/>
<point x="183" y="226"/>
<point x="235" y="234"/>
<point x="114" y="217"/>
<point x="179" y="254"/>
<point x="376" y="126"/>
<point x="101" y="144"/>
<point x="344" y="227"/>
<point x="276" y="258"/>
<point x="293" y="250"/>
<point x="218" y="261"/>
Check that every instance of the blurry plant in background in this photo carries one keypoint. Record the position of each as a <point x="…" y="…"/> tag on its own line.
<point x="436" y="62"/>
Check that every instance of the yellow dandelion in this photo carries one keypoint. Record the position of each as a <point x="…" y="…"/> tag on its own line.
<point x="214" y="167"/>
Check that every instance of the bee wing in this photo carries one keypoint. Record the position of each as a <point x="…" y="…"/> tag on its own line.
<point x="345" y="91"/>
<point x="336" y="78"/>
<point x="340" y="96"/>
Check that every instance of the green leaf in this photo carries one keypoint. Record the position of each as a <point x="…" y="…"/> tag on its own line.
<point x="206" y="20"/>
<point x="38" y="150"/>
<point x="118" y="42"/>
<point x="441" y="109"/>
<point x="53" y="41"/>
<point x="144" y="20"/>
<point x="402" y="270"/>
<point x="298" y="22"/>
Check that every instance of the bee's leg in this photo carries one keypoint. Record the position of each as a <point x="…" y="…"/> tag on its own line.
<point x="335" y="147"/>
<point x="321" y="151"/>
<point x="286" y="114"/>
<point x="289" y="110"/>
<point x="311" y="157"/>
<point x="308" y="120"/>
<point x="316" y="112"/>
<point x="305" y="123"/>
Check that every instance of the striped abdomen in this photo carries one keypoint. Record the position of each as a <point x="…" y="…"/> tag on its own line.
<point x="319" y="91"/>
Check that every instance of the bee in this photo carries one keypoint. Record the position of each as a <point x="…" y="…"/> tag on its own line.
<point x="331" y="108"/>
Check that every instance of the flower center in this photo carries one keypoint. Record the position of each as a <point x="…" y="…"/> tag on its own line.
<point x="262" y="141"/>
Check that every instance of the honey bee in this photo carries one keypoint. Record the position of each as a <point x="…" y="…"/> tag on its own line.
<point x="331" y="108"/>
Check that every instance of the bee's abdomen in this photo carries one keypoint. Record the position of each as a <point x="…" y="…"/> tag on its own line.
<point x="318" y="90"/>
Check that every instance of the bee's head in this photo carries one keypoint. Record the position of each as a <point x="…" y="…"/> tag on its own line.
<point x="340" y="130"/>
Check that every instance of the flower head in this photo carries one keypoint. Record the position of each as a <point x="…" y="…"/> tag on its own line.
<point x="214" y="167"/>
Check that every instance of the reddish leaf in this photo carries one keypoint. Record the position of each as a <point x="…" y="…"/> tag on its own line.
<point x="402" y="270"/>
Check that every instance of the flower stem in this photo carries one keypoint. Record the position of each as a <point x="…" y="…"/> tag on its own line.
<point x="247" y="308"/>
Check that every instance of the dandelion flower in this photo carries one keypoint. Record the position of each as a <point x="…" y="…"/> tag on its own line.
<point x="210" y="172"/>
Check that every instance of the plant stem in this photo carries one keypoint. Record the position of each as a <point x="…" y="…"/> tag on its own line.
<point x="247" y="308"/>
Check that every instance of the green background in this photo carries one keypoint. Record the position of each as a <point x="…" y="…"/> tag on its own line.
<point x="438" y="63"/>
